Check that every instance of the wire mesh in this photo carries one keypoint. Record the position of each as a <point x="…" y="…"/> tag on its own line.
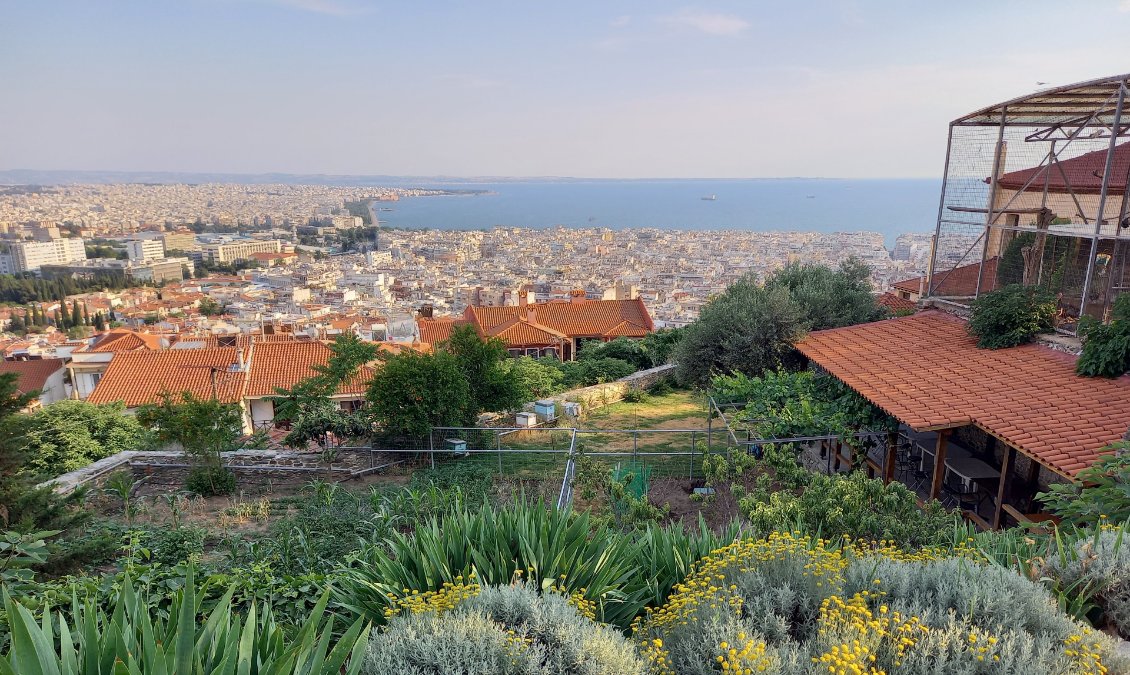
<point x="1021" y="205"/>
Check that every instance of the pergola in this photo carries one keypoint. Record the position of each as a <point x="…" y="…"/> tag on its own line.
<point x="1052" y="164"/>
<point x="926" y="371"/>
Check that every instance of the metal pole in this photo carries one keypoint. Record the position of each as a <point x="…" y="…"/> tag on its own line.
<point x="692" y="455"/>
<point x="498" y="446"/>
<point x="941" y="207"/>
<point x="709" y="422"/>
<point x="432" y="447"/>
<point x="1102" y="197"/>
<point x="997" y="161"/>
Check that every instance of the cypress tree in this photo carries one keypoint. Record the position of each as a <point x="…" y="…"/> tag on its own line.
<point x="76" y="314"/>
<point x="56" y="318"/>
<point x="85" y="315"/>
<point x="99" y="323"/>
<point x="63" y="318"/>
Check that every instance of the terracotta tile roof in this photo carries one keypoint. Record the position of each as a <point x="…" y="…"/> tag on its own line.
<point x="587" y="318"/>
<point x="959" y="282"/>
<point x="31" y="375"/>
<point x="895" y="303"/>
<point x="125" y="341"/>
<point x="285" y="364"/>
<point x="1084" y="174"/>
<point x="926" y="370"/>
<point x="436" y="330"/>
<point x="142" y="376"/>
<point x="521" y="331"/>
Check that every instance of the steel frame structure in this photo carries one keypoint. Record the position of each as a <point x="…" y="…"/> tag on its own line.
<point x="1066" y="118"/>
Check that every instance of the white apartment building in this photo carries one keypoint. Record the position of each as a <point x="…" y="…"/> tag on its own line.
<point x="145" y="249"/>
<point x="29" y="256"/>
<point x="227" y="252"/>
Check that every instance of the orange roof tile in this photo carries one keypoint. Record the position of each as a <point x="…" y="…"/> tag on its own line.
<point x="31" y="375"/>
<point x="284" y="364"/>
<point x="437" y="329"/>
<point x="587" y="318"/>
<point x="959" y="282"/>
<point x="140" y="377"/>
<point x="119" y="340"/>
<point x="895" y="303"/>
<point x="927" y="371"/>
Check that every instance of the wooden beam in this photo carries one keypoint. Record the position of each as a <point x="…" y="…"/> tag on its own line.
<point x="1002" y="488"/>
<point x="892" y="453"/>
<point x="939" y="463"/>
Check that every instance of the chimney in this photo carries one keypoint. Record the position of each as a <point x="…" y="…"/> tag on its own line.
<point x="577" y="295"/>
<point x="427" y="311"/>
<point x="531" y="314"/>
<point x="521" y="297"/>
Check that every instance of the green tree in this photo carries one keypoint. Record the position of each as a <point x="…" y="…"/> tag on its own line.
<point x="747" y="329"/>
<point x="413" y="392"/>
<point x="24" y="506"/>
<point x="204" y="428"/>
<point x="99" y="322"/>
<point x="660" y="344"/>
<point x="209" y="307"/>
<point x="69" y="435"/>
<point x="491" y="387"/>
<point x="829" y="298"/>
<point x="537" y="378"/>
<point x="308" y="406"/>
<point x="76" y="315"/>
<point x="625" y="349"/>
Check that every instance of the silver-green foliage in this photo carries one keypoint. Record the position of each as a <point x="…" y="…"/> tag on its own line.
<point x="954" y="598"/>
<point x="1101" y="564"/>
<point x="506" y="630"/>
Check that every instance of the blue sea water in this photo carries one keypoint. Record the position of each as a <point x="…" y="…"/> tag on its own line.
<point x="890" y="207"/>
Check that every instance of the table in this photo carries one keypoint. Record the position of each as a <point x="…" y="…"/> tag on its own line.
<point x="952" y="451"/>
<point x="969" y="469"/>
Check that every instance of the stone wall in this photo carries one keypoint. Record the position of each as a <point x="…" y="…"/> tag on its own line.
<point x="590" y="398"/>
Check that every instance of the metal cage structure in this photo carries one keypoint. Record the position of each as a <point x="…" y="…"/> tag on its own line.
<point x="1035" y="192"/>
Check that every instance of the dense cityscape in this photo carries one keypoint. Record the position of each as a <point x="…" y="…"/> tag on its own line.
<point x="309" y="258"/>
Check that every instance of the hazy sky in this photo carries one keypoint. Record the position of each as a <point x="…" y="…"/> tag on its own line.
<point x="574" y="88"/>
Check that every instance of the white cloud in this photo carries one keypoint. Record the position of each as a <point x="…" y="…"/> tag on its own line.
<point x="710" y="23"/>
<point x="621" y="21"/>
<point x="1124" y="6"/>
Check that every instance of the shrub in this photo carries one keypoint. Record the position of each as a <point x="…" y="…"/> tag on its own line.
<point x="530" y="541"/>
<point x="69" y="435"/>
<point x="853" y="505"/>
<point x="169" y="546"/>
<point x="794" y="604"/>
<point x="1100" y="564"/>
<point x="507" y="629"/>
<point x="1099" y="491"/>
<point x="622" y="348"/>
<point x="1106" y="347"/>
<point x="135" y="639"/>
<point x="208" y="480"/>
<point x="1011" y="316"/>
<point x="537" y="378"/>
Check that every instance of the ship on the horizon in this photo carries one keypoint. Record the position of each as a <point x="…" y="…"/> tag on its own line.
<point x="710" y="198"/>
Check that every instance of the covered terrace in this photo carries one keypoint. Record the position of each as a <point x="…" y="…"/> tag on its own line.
<point x="985" y="428"/>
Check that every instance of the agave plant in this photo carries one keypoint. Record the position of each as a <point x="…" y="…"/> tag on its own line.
<point x="129" y="641"/>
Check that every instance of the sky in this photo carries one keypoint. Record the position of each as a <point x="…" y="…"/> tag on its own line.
<point x="610" y="89"/>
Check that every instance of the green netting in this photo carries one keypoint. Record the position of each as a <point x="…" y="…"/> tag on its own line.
<point x="638" y="485"/>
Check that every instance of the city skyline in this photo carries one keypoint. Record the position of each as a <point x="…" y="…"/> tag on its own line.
<point x="624" y="90"/>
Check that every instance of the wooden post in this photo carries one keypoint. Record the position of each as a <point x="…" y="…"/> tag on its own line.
<point x="939" y="463"/>
<point x="1002" y="488"/>
<point x="892" y="453"/>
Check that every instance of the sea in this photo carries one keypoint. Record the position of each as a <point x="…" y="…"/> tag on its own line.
<point x="890" y="207"/>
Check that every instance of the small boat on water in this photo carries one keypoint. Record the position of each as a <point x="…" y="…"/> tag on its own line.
<point x="710" y="198"/>
<point x="385" y="208"/>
